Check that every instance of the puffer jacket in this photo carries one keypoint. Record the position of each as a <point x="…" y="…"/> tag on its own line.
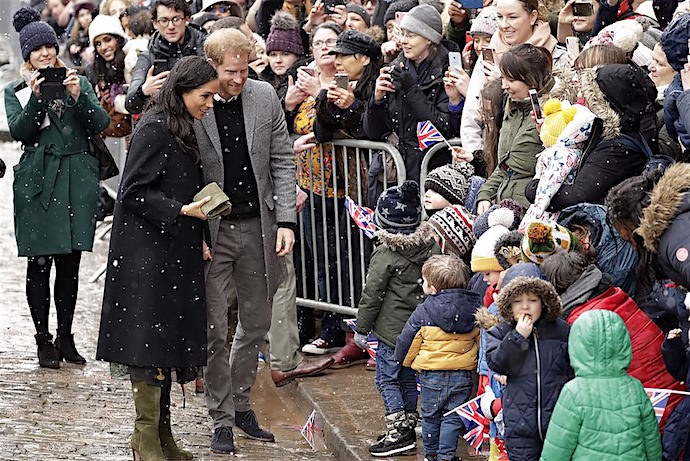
<point x="622" y="97"/>
<point x="664" y="224"/>
<point x="537" y="368"/>
<point x="614" y="256"/>
<point x="603" y="413"/>
<point x="393" y="287"/>
<point x="399" y="112"/>
<point x="440" y="334"/>
<point x="159" y="48"/>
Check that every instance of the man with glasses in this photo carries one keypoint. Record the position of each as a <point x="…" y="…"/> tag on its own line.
<point x="174" y="38"/>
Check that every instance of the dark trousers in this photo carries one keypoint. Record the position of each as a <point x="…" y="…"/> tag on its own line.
<point x="64" y="291"/>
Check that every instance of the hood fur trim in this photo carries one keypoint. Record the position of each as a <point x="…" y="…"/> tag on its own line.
<point x="485" y="319"/>
<point x="564" y="88"/>
<point x="284" y="20"/>
<point x="597" y="103"/>
<point x="665" y="200"/>
<point x="423" y="234"/>
<point x="551" y="302"/>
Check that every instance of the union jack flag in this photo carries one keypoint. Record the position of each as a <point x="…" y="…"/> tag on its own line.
<point x="309" y="428"/>
<point x="372" y="341"/>
<point x="476" y="423"/>
<point x="428" y="135"/>
<point x="362" y="216"/>
<point x="659" y="399"/>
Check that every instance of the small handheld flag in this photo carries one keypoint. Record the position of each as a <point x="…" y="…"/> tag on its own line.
<point x="659" y="399"/>
<point x="428" y="135"/>
<point x="308" y="429"/>
<point x="362" y="216"/>
<point x="476" y="423"/>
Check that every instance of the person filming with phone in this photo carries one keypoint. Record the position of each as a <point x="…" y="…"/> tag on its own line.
<point x="576" y="19"/>
<point x="52" y="111"/>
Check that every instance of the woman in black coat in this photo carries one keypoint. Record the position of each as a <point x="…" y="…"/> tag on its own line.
<point x="154" y="314"/>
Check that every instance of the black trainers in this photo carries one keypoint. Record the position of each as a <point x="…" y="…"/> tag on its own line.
<point x="222" y="440"/>
<point x="246" y="420"/>
<point x="405" y="444"/>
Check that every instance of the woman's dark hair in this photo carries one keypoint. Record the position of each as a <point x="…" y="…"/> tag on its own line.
<point x="493" y="93"/>
<point x="529" y="64"/>
<point x="107" y="73"/>
<point x="141" y="23"/>
<point x="189" y="73"/>
<point x="564" y="268"/>
<point x="365" y="85"/>
<point x="625" y="204"/>
<point x="179" y="5"/>
<point x="535" y="5"/>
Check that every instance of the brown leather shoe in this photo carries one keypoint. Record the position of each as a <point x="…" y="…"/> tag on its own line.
<point x="307" y="367"/>
<point x="349" y="355"/>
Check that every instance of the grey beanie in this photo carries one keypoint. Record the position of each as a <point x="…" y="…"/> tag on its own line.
<point x="425" y="21"/>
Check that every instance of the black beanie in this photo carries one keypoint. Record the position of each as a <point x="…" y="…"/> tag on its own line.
<point x="33" y="33"/>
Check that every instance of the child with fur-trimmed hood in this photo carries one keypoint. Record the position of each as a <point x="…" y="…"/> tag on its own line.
<point x="391" y="293"/>
<point x="530" y="347"/>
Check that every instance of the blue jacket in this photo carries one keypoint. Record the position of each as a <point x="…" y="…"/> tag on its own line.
<point x="676" y="433"/>
<point x="674" y="41"/>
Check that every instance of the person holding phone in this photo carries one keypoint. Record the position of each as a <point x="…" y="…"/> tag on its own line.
<point x="523" y="67"/>
<point x="56" y="182"/>
<point x="153" y="327"/>
<point x="577" y="19"/>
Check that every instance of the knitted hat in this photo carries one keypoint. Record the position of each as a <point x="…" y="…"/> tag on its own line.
<point x="399" y="208"/>
<point x="424" y="20"/>
<point x="486" y="22"/>
<point x="482" y="224"/>
<point x="354" y="42"/>
<point x="104" y="24"/>
<point x="451" y="182"/>
<point x="674" y="41"/>
<point x="542" y="240"/>
<point x="33" y="33"/>
<point x="284" y="35"/>
<point x="557" y="116"/>
<point x="483" y="257"/>
<point x="454" y="225"/>
<point x="354" y="8"/>
<point x="400" y="6"/>
<point x="527" y="278"/>
<point x="508" y="247"/>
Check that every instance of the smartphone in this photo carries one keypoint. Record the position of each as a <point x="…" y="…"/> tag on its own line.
<point x="309" y="70"/>
<point x="583" y="9"/>
<point x="342" y="80"/>
<point x="455" y="60"/>
<point x="536" y="108"/>
<point x="471" y="4"/>
<point x="329" y="5"/>
<point x="572" y="44"/>
<point x="160" y="65"/>
<point x="52" y="87"/>
<point x="399" y="15"/>
<point x="488" y="55"/>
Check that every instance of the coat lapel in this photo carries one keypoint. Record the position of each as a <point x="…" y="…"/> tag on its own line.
<point x="209" y="124"/>
<point x="249" y="112"/>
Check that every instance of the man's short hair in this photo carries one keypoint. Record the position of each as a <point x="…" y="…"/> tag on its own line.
<point x="225" y="41"/>
<point x="445" y="271"/>
<point x="230" y="22"/>
<point x="179" y="5"/>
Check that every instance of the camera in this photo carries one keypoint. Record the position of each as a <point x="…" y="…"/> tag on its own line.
<point x="583" y="9"/>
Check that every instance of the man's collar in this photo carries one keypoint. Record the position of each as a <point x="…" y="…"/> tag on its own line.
<point x="219" y="98"/>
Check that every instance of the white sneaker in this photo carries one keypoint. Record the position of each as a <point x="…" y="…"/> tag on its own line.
<point x="320" y="347"/>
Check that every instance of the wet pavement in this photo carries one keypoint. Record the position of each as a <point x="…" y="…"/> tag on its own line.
<point x="78" y="413"/>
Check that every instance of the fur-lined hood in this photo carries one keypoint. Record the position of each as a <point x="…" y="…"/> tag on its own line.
<point x="523" y="278"/>
<point x="485" y="320"/>
<point x="665" y="203"/>
<point x="596" y="101"/>
<point x="396" y="242"/>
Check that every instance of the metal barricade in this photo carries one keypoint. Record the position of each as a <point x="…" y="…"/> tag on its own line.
<point x="328" y="239"/>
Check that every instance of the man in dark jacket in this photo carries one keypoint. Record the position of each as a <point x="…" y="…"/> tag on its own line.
<point x="174" y="38"/>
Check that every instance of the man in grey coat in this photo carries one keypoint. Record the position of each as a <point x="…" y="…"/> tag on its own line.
<point x="246" y="149"/>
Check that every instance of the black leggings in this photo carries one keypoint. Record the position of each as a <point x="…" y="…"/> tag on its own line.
<point x="65" y="290"/>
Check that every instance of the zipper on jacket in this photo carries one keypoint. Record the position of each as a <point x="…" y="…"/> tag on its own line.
<point x="536" y="351"/>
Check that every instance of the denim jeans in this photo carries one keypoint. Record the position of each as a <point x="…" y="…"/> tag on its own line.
<point x="395" y="383"/>
<point x="441" y="392"/>
<point x="331" y="323"/>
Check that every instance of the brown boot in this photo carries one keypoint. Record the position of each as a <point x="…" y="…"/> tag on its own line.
<point x="307" y="367"/>
<point x="146" y="444"/>
<point x="349" y="355"/>
<point x="168" y="445"/>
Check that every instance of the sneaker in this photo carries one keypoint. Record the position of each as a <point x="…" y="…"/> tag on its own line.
<point x="403" y="445"/>
<point x="320" y="347"/>
<point x="246" y="420"/>
<point x="222" y="440"/>
<point x="430" y="458"/>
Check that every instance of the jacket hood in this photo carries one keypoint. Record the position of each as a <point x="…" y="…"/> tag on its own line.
<point x="588" y="215"/>
<point x="584" y="289"/>
<point x="453" y="309"/>
<point x="523" y="278"/>
<point x="413" y="246"/>
<point x="674" y="41"/>
<point x="599" y="345"/>
<point x="668" y="198"/>
<point x="485" y="320"/>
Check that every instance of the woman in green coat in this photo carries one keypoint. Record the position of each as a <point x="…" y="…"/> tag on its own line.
<point x="55" y="182"/>
<point x="603" y="413"/>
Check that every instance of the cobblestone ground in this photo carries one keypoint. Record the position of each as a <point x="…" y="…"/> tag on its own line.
<point x="80" y="412"/>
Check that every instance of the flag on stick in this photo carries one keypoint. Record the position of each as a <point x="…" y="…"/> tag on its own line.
<point x="475" y="422"/>
<point x="428" y="135"/>
<point x="362" y="216"/>
<point x="659" y="399"/>
<point x="308" y="429"/>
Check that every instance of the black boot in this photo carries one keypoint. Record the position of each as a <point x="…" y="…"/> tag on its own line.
<point x="66" y="349"/>
<point x="47" y="353"/>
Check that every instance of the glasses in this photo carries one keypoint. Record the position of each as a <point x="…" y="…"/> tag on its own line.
<point x="165" y="21"/>
<point x="320" y="43"/>
<point x="407" y="34"/>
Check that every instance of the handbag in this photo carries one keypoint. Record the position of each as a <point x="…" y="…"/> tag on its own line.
<point x="120" y="124"/>
<point x="107" y="168"/>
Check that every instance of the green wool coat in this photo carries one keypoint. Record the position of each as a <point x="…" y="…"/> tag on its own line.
<point x="56" y="179"/>
<point x="602" y="414"/>
<point x="518" y="147"/>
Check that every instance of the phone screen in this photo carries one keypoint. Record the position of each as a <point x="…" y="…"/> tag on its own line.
<point x="536" y="108"/>
<point x="488" y="55"/>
